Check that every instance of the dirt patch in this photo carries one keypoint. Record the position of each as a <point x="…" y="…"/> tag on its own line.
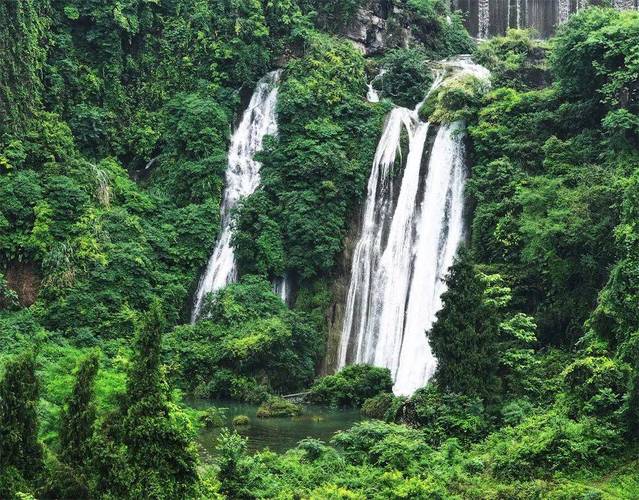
<point x="23" y="278"/>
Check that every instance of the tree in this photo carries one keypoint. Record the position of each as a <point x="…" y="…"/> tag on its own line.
<point x="78" y="416"/>
<point x="157" y="435"/>
<point x="20" y="450"/>
<point x="464" y="337"/>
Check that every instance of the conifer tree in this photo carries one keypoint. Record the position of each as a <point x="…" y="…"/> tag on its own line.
<point x="159" y="443"/>
<point x="465" y="335"/>
<point x="19" y="393"/>
<point x="78" y="416"/>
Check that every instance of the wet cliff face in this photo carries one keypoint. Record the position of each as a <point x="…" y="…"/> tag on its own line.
<point x="486" y="18"/>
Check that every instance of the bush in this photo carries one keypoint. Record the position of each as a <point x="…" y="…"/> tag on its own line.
<point x="278" y="407"/>
<point x="443" y="415"/>
<point x="213" y="417"/>
<point x="388" y="445"/>
<point x="378" y="406"/>
<point x="406" y="77"/>
<point x="351" y="386"/>
<point x="550" y="442"/>
<point x="240" y="420"/>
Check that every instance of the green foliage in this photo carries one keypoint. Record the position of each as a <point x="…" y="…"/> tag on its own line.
<point x="240" y="420"/>
<point x="249" y="344"/>
<point x="378" y="406"/>
<point x="276" y="407"/>
<point x="517" y="60"/>
<point x="456" y="99"/>
<point x="443" y="415"/>
<point x="333" y="14"/>
<point x="406" y="76"/>
<point x="351" y="386"/>
<point x="389" y="446"/>
<point x="548" y="177"/>
<point x="20" y="451"/>
<point x="597" y="386"/>
<point x="213" y="417"/>
<point x="147" y="448"/>
<point x="464" y="336"/>
<point x="592" y="60"/>
<point x="22" y="27"/>
<point x="545" y="443"/>
<point x="79" y="415"/>
<point x="314" y="174"/>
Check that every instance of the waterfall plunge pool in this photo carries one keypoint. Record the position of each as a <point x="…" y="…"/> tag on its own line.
<point x="276" y="434"/>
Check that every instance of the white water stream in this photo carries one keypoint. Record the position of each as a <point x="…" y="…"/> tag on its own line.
<point x="408" y="238"/>
<point x="242" y="179"/>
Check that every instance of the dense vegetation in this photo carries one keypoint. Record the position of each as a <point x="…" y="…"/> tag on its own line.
<point x="115" y="120"/>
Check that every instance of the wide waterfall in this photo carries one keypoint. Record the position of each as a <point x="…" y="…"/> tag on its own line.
<point x="242" y="179"/>
<point x="408" y="238"/>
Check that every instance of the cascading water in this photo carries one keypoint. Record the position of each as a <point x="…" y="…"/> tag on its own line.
<point x="484" y="19"/>
<point x="564" y="10"/>
<point x="407" y="242"/>
<point x="282" y="288"/>
<point x="242" y="179"/>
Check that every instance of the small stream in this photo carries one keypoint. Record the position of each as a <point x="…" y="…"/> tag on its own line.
<point x="276" y="434"/>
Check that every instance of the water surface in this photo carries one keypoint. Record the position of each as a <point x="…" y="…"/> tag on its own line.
<point x="277" y="434"/>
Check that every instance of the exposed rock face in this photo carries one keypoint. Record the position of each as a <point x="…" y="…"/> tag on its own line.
<point x="23" y="278"/>
<point x="377" y="27"/>
<point x="335" y="314"/>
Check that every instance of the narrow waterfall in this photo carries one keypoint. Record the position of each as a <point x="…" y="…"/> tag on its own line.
<point x="484" y="19"/>
<point x="408" y="238"/>
<point x="564" y="10"/>
<point x="282" y="288"/>
<point x="521" y="19"/>
<point x="242" y="179"/>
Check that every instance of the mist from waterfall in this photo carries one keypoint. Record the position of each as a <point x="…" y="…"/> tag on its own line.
<point x="242" y="179"/>
<point x="409" y="235"/>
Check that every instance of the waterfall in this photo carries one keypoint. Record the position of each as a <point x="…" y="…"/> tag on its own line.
<point x="625" y="4"/>
<point x="521" y="20"/>
<point x="372" y="95"/>
<point x="408" y="237"/>
<point x="242" y="179"/>
<point x="484" y="19"/>
<point x="564" y="10"/>
<point x="282" y="288"/>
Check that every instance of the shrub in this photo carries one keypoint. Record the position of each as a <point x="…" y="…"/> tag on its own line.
<point x="443" y="415"/>
<point x="213" y="417"/>
<point x="388" y="445"/>
<point x="278" y="407"/>
<point x="351" y="386"/>
<point x="378" y="406"/>
<point x="550" y="442"/>
<point x="240" y="420"/>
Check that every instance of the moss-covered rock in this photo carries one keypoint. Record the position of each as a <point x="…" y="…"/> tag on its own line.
<point x="277" y="407"/>
<point x="241" y="420"/>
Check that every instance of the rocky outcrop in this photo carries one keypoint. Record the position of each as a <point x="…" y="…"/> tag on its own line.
<point x="24" y="280"/>
<point x="377" y="27"/>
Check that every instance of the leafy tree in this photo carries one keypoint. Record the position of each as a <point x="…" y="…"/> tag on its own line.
<point x="159" y="442"/>
<point x="78" y="417"/>
<point x="351" y="386"/>
<point x="464" y="337"/>
<point x="20" y="451"/>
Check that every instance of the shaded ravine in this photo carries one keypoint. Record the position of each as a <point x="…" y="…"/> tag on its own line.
<point x="407" y="242"/>
<point x="242" y="179"/>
